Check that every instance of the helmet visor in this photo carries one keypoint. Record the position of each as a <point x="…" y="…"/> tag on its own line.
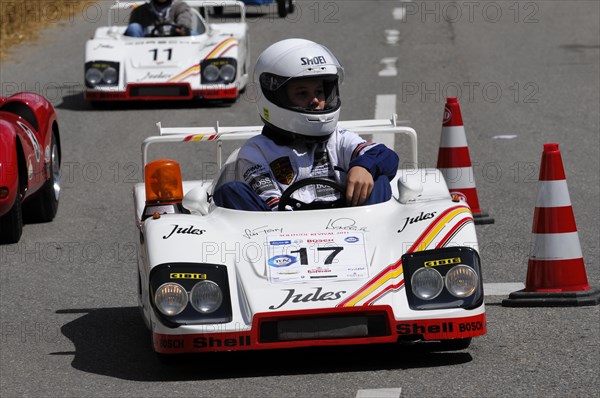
<point x="306" y="94"/>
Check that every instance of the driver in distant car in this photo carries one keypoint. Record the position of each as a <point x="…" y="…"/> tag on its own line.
<point x="170" y="17"/>
<point x="299" y="104"/>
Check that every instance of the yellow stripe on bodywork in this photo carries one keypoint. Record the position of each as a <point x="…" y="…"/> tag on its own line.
<point x="219" y="47"/>
<point x="194" y="70"/>
<point x="384" y="278"/>
<point x="440" y="225"/>
<point x="394" y="273"/>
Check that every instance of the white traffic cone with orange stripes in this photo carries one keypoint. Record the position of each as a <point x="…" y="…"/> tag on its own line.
<point x="455" y="163"/>
<point x="556" y="273"/>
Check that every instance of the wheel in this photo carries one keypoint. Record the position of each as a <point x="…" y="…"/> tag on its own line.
<point x="282" y="8"/>
<point x="11" y="224"/>
<point x="291" y="7"/>
<point x="44" y="205"/>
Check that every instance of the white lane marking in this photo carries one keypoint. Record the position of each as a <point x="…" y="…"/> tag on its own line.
<point x="389" y="67"/>
<point x="385" y="107"/>
<point x="501" y="289"/>
<point x="392" y="36"/>
<point x="379" y="393"/>
<point x="505" y="137"/>
<point x="399" y="13"/>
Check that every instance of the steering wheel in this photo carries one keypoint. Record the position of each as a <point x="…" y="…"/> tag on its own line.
<point x="287" y="200"/>
<point x="160" y="31"/>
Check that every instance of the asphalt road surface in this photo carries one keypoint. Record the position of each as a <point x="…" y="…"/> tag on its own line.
<point x="526" y="73"/>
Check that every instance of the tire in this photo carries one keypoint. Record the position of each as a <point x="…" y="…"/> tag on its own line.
<point x="11" y="224"/>
<point x="282" y="8"/>
<point x="291" y="7"/>
<point x="44" y="205"/>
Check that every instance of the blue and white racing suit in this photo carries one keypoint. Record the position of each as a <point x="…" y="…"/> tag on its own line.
<point x="269" y="166"/>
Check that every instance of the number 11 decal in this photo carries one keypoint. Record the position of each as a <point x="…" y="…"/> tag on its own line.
<point x="169" y="52"/>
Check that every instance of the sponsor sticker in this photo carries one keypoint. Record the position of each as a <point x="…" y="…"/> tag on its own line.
<point x="458" y="196"/>
<point x="283" y="170"/>
<point x="282" y="261"/>
<point x="34" y="142"/>
<point x="443" y="261"/>
<point x="447" y="115"/>
<point x="280" y="242"/>
<point x="186" y="275"/>
<point x="339" y="256"/>
<point x="261" y="183"/>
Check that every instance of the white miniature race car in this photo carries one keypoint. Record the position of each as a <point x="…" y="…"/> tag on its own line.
<point x="211" y="65"/>
<point x="217" y="279"/>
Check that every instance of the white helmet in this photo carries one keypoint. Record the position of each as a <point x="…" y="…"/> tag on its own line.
<point x="294" y="59"/>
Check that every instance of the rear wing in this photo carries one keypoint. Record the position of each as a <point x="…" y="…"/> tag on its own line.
<point x="218" y="134"/>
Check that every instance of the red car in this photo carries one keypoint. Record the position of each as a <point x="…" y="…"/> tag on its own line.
<point x="29" y="163"/>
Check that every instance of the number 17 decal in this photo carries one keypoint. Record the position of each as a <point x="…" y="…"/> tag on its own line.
<point x="304" y="256"/>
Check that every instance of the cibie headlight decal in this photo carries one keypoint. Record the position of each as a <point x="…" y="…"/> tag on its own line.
<point x="443" y="278"/>
<point x="101" y="73"/>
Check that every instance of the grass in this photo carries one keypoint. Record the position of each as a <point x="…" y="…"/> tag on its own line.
<point x="22" y="20"/>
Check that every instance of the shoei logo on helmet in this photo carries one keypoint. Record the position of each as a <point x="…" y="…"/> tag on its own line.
<point x="313" y="61"/>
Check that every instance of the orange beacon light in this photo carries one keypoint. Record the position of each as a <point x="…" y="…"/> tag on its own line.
<point x="164" y="188"/>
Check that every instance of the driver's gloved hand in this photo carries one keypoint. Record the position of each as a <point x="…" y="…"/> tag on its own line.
<point x="182" y="31"/>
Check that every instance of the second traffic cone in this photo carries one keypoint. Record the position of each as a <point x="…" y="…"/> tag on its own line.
<point x="455" y="163"/>
<point x="556" y="273"/>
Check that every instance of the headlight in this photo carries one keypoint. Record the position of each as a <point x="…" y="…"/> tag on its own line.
<point x="461" y="281"/>
<point x="427" y="283"/>
<point x="228" y="73"/>
<point x="110" y="76"/>
<point x="206" y="297"/>
<point x="218" y="70"/>
<point x="204" y="286"/>
<point x="443" y="278"/>
<point x="93" y="76"/>
<point x="211" y="73"/>
<point x="170" y="298"/>
<point x="101" y="73"/>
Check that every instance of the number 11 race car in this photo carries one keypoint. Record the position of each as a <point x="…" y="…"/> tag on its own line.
<point x="217" y="279"/>
<point x="211" y="63"/>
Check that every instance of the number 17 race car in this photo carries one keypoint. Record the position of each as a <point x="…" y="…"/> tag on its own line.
<point x="217" y="279"/>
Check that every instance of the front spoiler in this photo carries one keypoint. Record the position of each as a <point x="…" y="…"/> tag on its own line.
<point x="254" y="339"/>
<point x="160" y="92"/>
